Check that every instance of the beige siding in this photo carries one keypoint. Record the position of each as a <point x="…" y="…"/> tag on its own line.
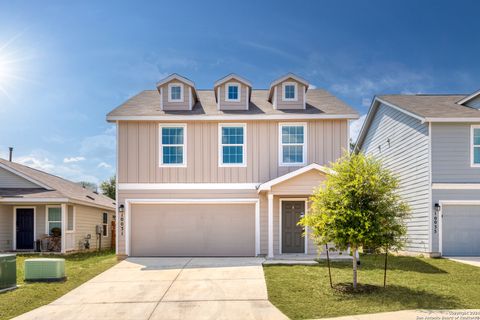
<point x="290" y="104"/>
<point x="139" y="152"/>
<point x="86" y="218"/>
<point x="302" y="184"/>
<point x="176" y="106"/>
<point x="233" y="105"/>
<point x="6" y="227"/>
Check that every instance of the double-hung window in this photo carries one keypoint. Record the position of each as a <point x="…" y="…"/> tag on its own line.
<point x="105" y="224"/>
<point x="54" y="219"/>
<point x="292" y="149"/>
<point x="175" y="92"/>
<point x="475" y="146"/>
<point x="232" y="92"/>
<point x="173" y="145"/>
<point x="289" y="91"/>
<point x="232" y="139"/>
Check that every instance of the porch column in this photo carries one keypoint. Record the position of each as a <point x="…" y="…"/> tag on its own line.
<point x="64" y="226"/>
<point x="270" y="225"/>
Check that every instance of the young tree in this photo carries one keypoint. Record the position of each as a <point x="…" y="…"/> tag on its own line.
<point x="358" y="206"/>
<point x="108" y="187"/>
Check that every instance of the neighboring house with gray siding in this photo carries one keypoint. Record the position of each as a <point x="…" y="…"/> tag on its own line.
<point x="432" y="143"/>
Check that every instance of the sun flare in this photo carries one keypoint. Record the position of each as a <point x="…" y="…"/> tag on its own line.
<point x="11" y="63"/>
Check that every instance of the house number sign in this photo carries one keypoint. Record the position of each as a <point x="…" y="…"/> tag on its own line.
<point x="435" y="222"/>
<point x="122" y="223"/>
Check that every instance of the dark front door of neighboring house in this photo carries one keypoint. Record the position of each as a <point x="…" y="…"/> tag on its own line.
<point x="293" y="240"/>
<point x="24" y="236"/>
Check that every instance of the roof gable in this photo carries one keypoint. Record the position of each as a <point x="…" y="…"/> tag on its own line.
<point x="175" y="76"/>
<point x="232" y="76"/>
<point x="15" y="179"/>
<point x="284" y="78"/>
<point x="469" y="98"/>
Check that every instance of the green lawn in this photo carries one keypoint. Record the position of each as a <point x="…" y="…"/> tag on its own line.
<point x="303" y="292"/>
<point x="79" y="268"/>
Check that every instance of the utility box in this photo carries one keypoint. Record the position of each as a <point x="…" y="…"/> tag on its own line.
<point x="45" y="269"/>
<point x="8" y="271"/>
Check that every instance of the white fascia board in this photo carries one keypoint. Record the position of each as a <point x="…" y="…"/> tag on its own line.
<point x="452" y="119"/>
<point x="31" y="200"/>
<point x="267" y="186"/>
<point x="456" y="186"/>
<point x="189" y="201"/>
<point x="229" y="77"/>
<point x="24" y="176"/>
<point x="177" y="77"/>
<point x="470" y="97"/>
<point x="236" y="117"/>
<point x="287" y="76"/>
<point x="188" y="186"/>
<point x="411" y="114"/>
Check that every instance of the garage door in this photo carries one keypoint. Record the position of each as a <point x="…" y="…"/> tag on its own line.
<point x="192" y="230"/>
<point x="461" y="230"/>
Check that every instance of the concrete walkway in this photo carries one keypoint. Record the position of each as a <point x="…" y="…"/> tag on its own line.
<point x="473" y="261"/>
<point x="416" y="315"/>
<point x="168" y="288"/>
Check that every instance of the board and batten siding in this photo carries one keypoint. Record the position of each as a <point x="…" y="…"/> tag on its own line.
<point x="86" y="219"/>
<point x="451" y="162"/>
<point x="402" y="143"/>
<point x="139" y="152"/>
<point x="11" y="180"/>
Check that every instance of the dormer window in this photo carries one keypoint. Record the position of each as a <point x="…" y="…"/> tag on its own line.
<point x="232" y="92"/>
<point x="289" y="91"/>
<point x="175" y="92"/>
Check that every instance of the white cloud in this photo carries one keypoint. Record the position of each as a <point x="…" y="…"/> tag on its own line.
<point x="104" y="165"/>
<point x="312" y="86"/>
<point x="105" y="142"/>
<point x="355" y="127"/>
<point x="73" y="159"/>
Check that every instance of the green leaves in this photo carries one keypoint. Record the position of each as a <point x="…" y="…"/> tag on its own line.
<point x="358" y="206"/>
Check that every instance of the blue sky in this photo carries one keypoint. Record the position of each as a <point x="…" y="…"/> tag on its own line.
<point x="64" y="65"/>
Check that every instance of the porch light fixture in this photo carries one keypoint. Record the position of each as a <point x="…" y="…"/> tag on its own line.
<point x="437" y="207"/>
<point x="121" y="208"/>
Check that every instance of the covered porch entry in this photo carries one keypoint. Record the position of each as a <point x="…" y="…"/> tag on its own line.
<point x="287" y="201"/>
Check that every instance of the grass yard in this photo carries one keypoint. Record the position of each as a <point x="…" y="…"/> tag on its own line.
<point x="79" y="267"/>
<point x="303" y="292"/>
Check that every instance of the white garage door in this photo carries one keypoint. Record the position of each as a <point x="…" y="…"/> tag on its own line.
<point x="461" y="230"/>
<point x="192" y="230"/>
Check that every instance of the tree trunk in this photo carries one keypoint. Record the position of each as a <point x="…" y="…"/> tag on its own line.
<point x="385" y="269"/>
<point x="328" y="263"/>
<point x="354" y="253"/>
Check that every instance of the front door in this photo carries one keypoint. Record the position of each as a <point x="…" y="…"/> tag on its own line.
<point x="293" y="240"/>
<point x="24" y="236"/>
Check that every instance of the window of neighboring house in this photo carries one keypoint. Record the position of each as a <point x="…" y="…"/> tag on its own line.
<point x="70" y="218"/>
<point x="54" y="219"/>
<point x="232" y="92"/>
<point x="232" y="144"/>
<point x="172" y="145"/>
<point x="292" y="149"/>
<point x="105" y="224"/>
<point x="175" y="92"/>
<point x="289" y="91"/>
<point x="476" y="146"/>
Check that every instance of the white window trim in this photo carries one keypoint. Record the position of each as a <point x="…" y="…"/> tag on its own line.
<point x="280" y="216"/>
<point x="105" y="224"/>
<point x="220" y="145"/>
<point x="175" y="84"/>
<point x="14" y="234"/>
<point x="74" y="220"/>
<point x="172" y="125"/>
<point x="47" y="221"/>
<point x="280" y="144"/>
<point x="233" y="84"/>
<point x="473" y="146"/>
<point x="289" y="83"/>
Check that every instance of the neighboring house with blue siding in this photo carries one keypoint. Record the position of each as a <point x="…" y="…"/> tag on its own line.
<point x="432" y="143"/>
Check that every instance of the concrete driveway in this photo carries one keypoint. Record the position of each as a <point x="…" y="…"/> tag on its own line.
<point x="169" y="288"/>
<point x="473" y="261"/>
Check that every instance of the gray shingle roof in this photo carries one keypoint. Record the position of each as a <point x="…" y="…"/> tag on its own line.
<point x="147" y="103"/>
<point x="432" y="106"/>
<point x="61" y="188"/>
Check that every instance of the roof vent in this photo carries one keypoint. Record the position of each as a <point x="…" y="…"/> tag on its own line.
<point x="91" y="198"/>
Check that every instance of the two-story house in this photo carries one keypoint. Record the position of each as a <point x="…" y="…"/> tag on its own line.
<point x="223" y="172"/>
<point x="432" y="142"/>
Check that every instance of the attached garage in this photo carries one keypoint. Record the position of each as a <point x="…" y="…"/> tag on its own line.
<point x="460" y="230"/>
<point x="193" y="229"/>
